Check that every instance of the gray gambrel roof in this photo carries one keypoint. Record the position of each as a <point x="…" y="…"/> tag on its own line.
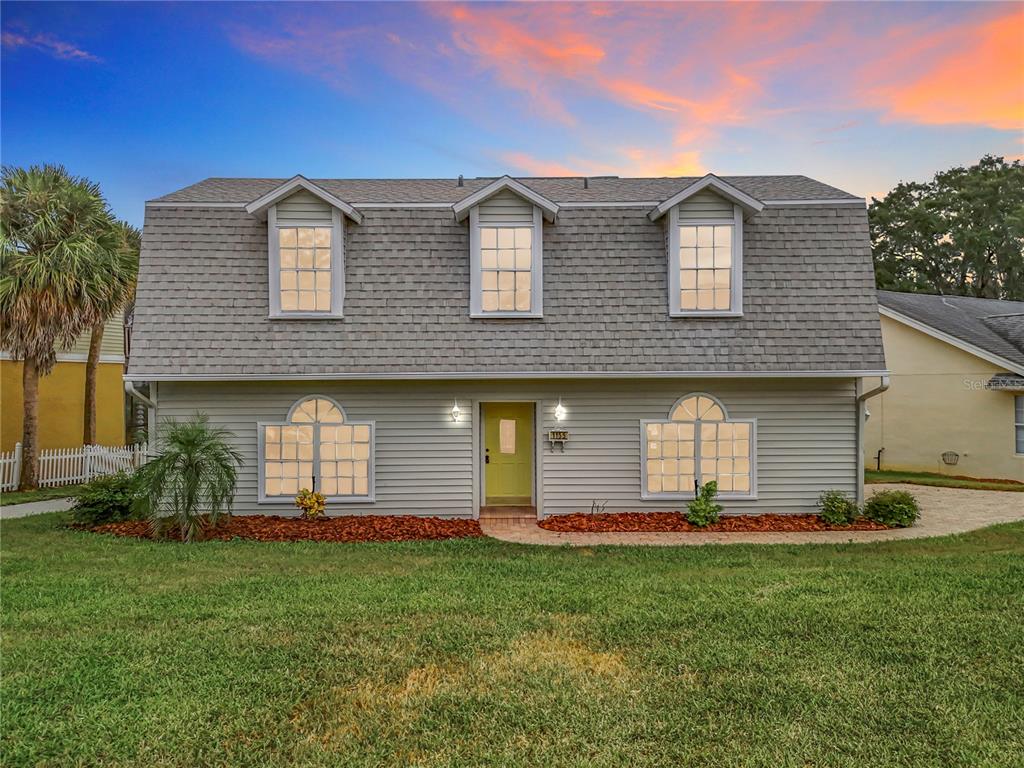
<point x="995" y="327"/>
<point x="601" y="189"/>
<point x="808" y="294"/>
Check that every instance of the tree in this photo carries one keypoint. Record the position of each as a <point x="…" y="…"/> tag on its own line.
<point x="120" y="253"/>
<point x="961" y="233"/>
<point x="52" y="224"/>
<point x="194" y="470"/>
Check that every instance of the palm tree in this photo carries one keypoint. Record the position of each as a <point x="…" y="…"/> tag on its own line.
<point x="121" y="251"/>
<point x="52" y="224"/>
<point x="194" y="472"/>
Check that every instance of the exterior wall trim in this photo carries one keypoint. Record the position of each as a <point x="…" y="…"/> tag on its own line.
<point x="952" y="340"/>
<point x="498" y="376"/>
<point x="72" y="357"/>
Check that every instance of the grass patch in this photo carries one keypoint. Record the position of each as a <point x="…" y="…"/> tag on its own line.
<point x="943" y="481"/>
<point x="39" y="494"/>
<point x="475" y="652"/>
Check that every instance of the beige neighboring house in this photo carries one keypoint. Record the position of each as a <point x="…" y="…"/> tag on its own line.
<point x="956" y="400"/>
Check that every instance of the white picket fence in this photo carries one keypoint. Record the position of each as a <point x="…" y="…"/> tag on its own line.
<point x="66" y="466"/>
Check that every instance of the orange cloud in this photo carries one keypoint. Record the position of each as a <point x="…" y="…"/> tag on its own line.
<point x="980" y="81"/>
<point x="521" y="161"/>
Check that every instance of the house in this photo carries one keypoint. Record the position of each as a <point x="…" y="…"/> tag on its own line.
<point x="62" y="394"/>
<point x="956" y="400"/>
<point x="434" y="346"/>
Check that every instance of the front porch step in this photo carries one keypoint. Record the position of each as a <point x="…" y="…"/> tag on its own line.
<point x="495" y="513"/>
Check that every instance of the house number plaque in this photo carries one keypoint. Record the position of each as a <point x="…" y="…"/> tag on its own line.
<point x="558" y="437"/>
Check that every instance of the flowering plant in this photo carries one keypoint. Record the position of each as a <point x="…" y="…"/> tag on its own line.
<point x="312" y="504"/>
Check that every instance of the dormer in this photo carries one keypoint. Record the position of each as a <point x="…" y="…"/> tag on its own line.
<point x="306" y="249"/>
<point x="506" y="248"/>
<point x="705" y="247"/>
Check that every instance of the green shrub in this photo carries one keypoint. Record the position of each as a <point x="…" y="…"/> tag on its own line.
<point x="108" y="499"/>
<point x="703" y="511"/>
<point x="192" y="478"/>
<point x="896" y="509"/>
<point x="837" y="508"/>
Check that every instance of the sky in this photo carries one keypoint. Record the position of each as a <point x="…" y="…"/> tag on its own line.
<point x="146" y="98"/>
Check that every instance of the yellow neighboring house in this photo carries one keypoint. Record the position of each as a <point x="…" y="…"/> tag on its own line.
<point x="62" y="395"/>
<point x="956" y="400"/>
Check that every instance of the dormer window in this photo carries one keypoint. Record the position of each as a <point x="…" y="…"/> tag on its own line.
<point x="705" y="248"/>
<point x="306" y="243"/>
<point x="506" y="269"/>
<point x="305" y="268"/>
<point x="506" y="236"/>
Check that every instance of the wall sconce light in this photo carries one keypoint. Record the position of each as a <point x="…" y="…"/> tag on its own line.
<point x="456" y="411"/>
<point x="559" y="410"/>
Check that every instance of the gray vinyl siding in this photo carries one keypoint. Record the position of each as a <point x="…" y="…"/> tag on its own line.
<point x="506" y="208"/>
<point x="806" y="438"/>
<point x="303" y="207"/>
<point x="705" y="205"/>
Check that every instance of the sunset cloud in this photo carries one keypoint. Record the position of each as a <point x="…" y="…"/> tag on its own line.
<point x="657" y="89"/>
<point x="59" y="49"/>
<point x="979" y="78"/>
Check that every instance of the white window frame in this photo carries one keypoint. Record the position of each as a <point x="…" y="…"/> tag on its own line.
<point x="371" y="485"/>
<point x="646" y="495"/>
<point x="735" y="278"/>
<point x="337" y="265"/>
<point x="1017" y="424"/>
<point x="536" y="266"/>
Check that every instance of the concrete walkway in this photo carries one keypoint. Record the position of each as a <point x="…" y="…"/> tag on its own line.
<point x="8" y="512"/>
<point x="943" y="511"/>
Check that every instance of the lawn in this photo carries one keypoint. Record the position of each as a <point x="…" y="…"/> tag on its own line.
<point x="478" y="653"/>
<point x="39" y="494"/>
<point x="943" y="481"/>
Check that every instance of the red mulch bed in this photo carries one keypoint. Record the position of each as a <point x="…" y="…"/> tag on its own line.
<point x="348" y="528"/>
<point x="657" y="522"/>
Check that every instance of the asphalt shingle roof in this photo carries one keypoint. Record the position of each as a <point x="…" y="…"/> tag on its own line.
<point x="560" y="190"/>
<point x="989" y="324"/>
<point x="202" y="302"/>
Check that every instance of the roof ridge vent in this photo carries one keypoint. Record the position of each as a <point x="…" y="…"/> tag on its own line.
<point x="461" y="183"/>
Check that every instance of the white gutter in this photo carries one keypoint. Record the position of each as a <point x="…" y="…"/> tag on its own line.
<point x="129" y="387"/>
<point x="862" y="416"/>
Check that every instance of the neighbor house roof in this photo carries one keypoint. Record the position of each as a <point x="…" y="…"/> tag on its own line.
<point x="202" y="310"/>
<point x="600" y="189"/>
<point x="989" y="328"/>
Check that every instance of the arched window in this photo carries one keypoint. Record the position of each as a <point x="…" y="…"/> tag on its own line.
<point x="698" y="443"/>
<point x="316" y="448"/>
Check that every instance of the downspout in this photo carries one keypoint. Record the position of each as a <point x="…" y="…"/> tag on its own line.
<point x="862" y="399"/>
<point x="129" y="388"/>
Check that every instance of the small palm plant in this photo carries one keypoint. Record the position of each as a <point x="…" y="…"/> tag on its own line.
<point x="191" y="478"/>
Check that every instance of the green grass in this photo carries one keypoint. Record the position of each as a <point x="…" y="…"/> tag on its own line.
<point x="943" y="481"/>
<point x="40" y="494"/>
<point x="479" y="653"/>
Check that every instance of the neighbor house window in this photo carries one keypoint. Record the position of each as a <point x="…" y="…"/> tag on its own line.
<point x="1018" y="420"/>
<point x="698" y="443"/>
<point x="319" y="449"/>
<point x="305" y="268"/>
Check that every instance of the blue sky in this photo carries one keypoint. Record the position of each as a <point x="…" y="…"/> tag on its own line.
<point x="145" y="98"/>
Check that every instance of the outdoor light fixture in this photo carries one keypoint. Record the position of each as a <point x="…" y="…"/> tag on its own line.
<point x="559" y="410"/>
<point x="456" y="411"/>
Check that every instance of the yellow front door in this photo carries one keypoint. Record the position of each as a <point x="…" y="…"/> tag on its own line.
<point x="508" y="453"/>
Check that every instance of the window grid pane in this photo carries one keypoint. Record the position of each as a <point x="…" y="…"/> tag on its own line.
<point x="288" y="459"/>
<point x="305" y="255"/>
<point x="681" y="454"/>
<point x="705" y="267"/>
<point x="344" y="460"/>
<point x="506" y="269"/>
